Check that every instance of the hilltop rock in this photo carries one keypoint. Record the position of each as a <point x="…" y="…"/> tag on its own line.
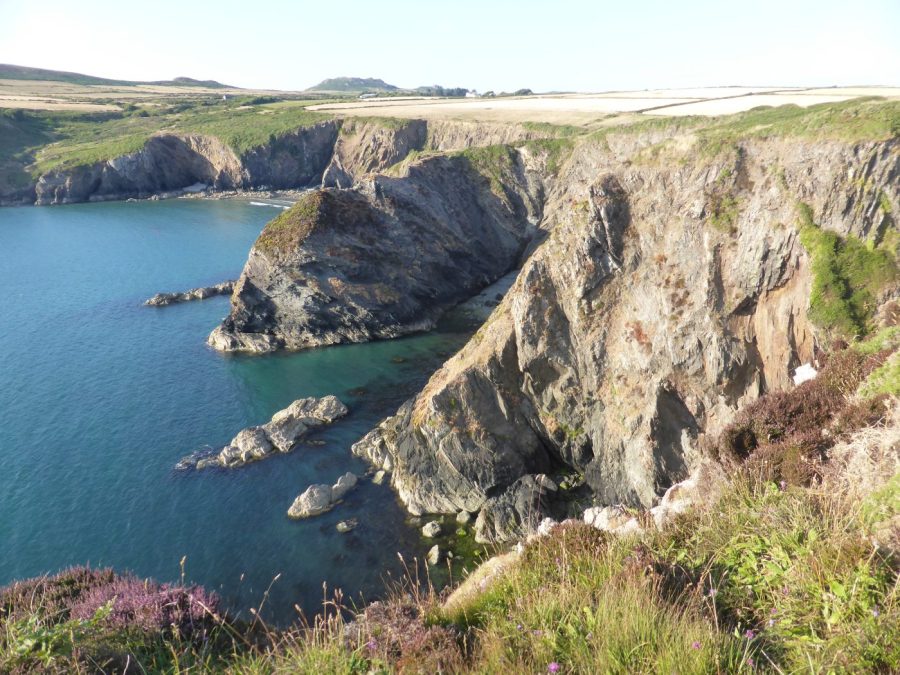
<point x="282" y="433"/>
<point x="164" y="299"/>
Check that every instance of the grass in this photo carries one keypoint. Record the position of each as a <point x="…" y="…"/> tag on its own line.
<point x="496" y="163"/>
<point x="847" y="278"/>
<point x="855" y="120"/>
<point x="38" y="142"/>
<point x="285" y="232"/>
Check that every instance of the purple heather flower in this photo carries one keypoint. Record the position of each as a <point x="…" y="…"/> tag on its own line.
<point x="696" y="644"/>
<point x="519" y="626"/>
<point x="750" y="662"/>
<point x="553" y="667"/>
<point x="782" y="485"/>
<point x="749" y="634"/>
<point x="771" y="622"/>
<point x="371" y="645"/>
<point x="875" y="613"/>
<point x="537" y="632"/>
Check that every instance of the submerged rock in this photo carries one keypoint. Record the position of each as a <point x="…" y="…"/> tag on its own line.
<point x="435" y="555"/>
<point x="345" y="526"/>
<point x="286" y="428"/>
<point x="163" y="299"/>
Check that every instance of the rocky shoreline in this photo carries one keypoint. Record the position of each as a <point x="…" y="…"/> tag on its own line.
<point x="281" y="434"/>
<point x="165" y="299"/>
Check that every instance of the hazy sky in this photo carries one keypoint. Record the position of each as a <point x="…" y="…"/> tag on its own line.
<point x="482" y="44"/>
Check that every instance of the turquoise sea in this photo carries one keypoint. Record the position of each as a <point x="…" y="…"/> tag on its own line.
<point x="101" y="396"/>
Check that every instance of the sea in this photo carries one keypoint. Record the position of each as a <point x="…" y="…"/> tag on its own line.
<point x="100" y="396"/>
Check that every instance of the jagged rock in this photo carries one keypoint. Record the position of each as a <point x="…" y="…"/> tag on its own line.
<point x="431" y="529"/>
<point x="612" y="519"/>
<point x="359" y="264"/>
<point x="163" y="299"/>
<point x="286" y="428"/>
<point x="315" y="500"/>
<point x="378" y="478"/>
<point x="637" y="323"/>
<point x="435" y="555"/>
<point x="515" y="513"/>
<point x="343" y="485"/>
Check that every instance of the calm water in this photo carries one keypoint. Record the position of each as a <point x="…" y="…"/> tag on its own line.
<point x="100" y="396"/>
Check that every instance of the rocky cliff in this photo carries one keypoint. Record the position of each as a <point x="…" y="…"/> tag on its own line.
<point x="382" y="259"/>
<point x="333" y="153"/>
<point x="672" y="288"/>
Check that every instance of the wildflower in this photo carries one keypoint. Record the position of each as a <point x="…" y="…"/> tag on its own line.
<point x="782" y="485"/>
<point x="750" y="662"/>
<point x="696" y="644"/>
<point x="519" y="626"/>
<point x="553" y="667"/>
<point x="371" y="645"/>
<point x="875" y="613"/>
<point x="749" y="634"/>
<point x="771" y="622"/>
<point x="537" y="633"/>
<point x="712" y="592"/>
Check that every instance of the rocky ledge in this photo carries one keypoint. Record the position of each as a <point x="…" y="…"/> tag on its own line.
<point x="280" y="435"/>
<point x="163" y="299"/>
<point x="319" y="498"/>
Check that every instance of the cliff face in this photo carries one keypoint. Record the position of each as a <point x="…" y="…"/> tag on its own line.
<point x="335" y="153"/>
<point x="382" y="259"/>
<point x="669" y="291"/>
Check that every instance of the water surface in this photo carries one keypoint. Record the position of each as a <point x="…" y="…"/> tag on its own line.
<point x="100" y="396"/>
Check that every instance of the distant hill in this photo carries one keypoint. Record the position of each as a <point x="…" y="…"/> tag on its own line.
<point x="354" y="85"/>
<point x="11" y="72"/>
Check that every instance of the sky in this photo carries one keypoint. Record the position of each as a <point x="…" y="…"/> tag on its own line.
<point x="565" y="45"/>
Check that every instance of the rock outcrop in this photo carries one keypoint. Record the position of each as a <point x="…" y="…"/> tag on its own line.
<point x="333" y="153"/>
<point x="319" y="498"/>
<point x="385" y="258"/>
<point x="164" y="299"/>
<point x="280" y="435"/>
<point x="668" y="292"/>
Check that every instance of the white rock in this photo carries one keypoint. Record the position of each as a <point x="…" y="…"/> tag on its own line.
<point x="435" y="555"/>
<point x="315" y="499"/>
<point x="431" y="529"/>
<point x="343" y="485"/>
<point x="463" y="517"/>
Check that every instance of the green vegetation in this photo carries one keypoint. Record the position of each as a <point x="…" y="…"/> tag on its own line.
<point x="353" y="85"/>
<point x="36" y="142"/>
<point x="854" y="120"/>
<point x="496" y="163"/>
<point x="288" y="229"/>
<point x="883" y="380"/>
<point x="557" y="151"/>
<point x="847" y="277"/>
